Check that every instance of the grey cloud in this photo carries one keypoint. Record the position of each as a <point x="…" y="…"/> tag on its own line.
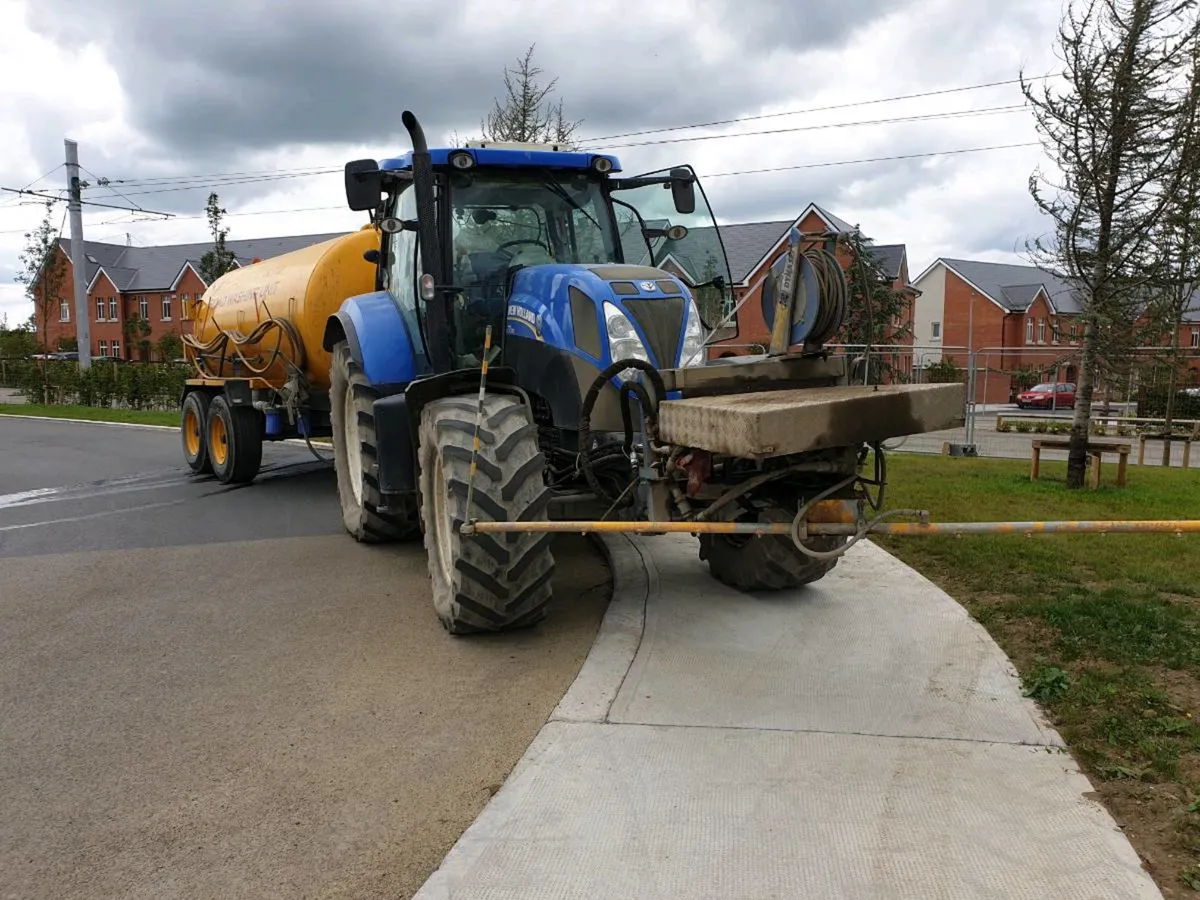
<point x="230" y="75"/>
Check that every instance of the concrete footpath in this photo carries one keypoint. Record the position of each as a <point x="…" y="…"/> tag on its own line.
<point x="861" y="738"/>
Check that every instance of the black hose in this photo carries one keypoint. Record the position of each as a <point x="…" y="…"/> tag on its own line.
<point x="649" y="408"/>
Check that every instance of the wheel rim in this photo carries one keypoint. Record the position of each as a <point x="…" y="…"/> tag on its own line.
<point x="445" y="528"/>
<point x="191" y="432"/>
<point x="218" y="440"/>
<point x="353" y="444"/>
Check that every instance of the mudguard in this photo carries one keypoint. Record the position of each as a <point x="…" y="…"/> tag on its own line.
<point x="379" y="339"/>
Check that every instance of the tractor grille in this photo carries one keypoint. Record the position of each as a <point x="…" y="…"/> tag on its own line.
<point x="661" y="320"/>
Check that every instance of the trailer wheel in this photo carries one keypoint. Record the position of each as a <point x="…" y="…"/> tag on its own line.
<point x="766" y="563"/>
<point x="234" y="441"/>
<point x="485" y="582"/>
<point x="194" y="430"/>
<point x="356" y="460"/>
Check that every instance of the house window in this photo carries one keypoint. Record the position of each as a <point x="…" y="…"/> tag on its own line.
<point x="64" y="311"/>
<point x="1195" y="338"/>
<point x="99" y="309"/>
<point x="1029" y="331"/>
<point x="1074" y="333"/>
<point x="185" y="306"/>
<point x="166" y="309"/>
<point x="935" y="330"/>
<point x="116" y="349"/>
<point x="143" y="307"/>
<point x="112" y="308"/>
<point x="1041" y="331"/>
<point x="103" y="348"/>
<point x="1054" y="331"/>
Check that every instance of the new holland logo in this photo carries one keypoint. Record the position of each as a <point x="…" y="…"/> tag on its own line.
<point x="648" y="286"/>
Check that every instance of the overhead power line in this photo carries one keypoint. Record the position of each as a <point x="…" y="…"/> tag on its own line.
<point x="83" y="202"/>
<point x="707" y="176"/>
<point x="927" y="117"/>
<point x="874" y="159"/>
<point x="816" y="109"/>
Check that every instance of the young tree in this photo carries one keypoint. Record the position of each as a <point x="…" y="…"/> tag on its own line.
<point x="219" y="260"/>
<point x="1178" y="240"/>
<point x="1112" y="134"/>
<point x="886" y="318"/>
<point x="170" y="347"/>
<point x="44" y="274"/>
<point x="527" y="113"/>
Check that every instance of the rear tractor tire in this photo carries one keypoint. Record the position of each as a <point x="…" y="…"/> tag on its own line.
<point x="356" y="458"/>
<point x="193" y="432"/>
<point x="234" y="441"/>
<point x="484" y="582"/>
<point x="767" y="562"/>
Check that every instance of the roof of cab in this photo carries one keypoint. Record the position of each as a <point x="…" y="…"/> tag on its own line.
<point x="504" y="156"/>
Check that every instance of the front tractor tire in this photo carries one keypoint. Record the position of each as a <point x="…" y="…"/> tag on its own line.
<point x="767" y="562"/>
<point x="356" y="458"/>
<point x="484" y="582"/>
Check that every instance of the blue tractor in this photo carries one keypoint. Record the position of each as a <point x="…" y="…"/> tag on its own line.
<point x="587" y="282"/>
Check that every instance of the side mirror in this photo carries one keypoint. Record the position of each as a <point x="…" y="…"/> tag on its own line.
<point x="683" y="191"/>
<point x="364" y="184"/>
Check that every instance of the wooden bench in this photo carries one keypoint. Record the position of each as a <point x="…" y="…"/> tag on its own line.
<point x="1186" y="440"/>
<point x="1095" y="451"/>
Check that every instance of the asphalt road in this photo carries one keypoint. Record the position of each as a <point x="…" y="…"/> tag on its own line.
<point x="215" y="692"/>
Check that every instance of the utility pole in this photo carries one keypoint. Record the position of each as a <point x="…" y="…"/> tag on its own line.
<point x="83" y="331"/>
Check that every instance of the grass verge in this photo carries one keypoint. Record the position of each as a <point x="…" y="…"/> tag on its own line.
<point x="93" y="413"/>
<point x="1105" y="630"/>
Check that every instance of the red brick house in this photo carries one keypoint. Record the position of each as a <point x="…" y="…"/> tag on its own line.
<point x="157" y="284"/>
<point x="752" y="249"/>
<point x="1014" y="317"/>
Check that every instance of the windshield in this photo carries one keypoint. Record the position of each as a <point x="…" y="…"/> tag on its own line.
<point x="698" y="257"/>
<point x="1042" y="388"/>
<point x="508" y="218"/>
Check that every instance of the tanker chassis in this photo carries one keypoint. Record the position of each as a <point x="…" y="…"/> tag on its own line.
<point x="515" y="338"/>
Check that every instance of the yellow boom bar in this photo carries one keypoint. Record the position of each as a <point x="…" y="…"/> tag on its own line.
<point x="906" y="529"/>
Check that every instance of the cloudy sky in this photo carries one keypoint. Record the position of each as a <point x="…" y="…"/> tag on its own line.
<point x="173" y="97"/>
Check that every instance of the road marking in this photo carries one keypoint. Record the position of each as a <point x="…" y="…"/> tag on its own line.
<point x="90" y="422"/>
<point x="297" y="442"/>
<point x="97" y="515"/>
<point x="22" y="497"/>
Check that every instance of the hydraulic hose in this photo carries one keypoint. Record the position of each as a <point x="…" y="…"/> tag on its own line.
<point x="649" y="409"/>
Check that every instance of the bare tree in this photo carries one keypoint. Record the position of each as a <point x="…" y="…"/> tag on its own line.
<point x="44" y="274"/>
<point x="1113" y="134"/>
<point x="527" y="113"/>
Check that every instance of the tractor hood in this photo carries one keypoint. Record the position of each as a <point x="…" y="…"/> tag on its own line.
<point x="607" y="312"/>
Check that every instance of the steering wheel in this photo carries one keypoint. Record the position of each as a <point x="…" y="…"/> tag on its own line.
<point x="507" y="244"/>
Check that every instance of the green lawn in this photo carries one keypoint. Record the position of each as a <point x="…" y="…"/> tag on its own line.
<point x="1105" y="630"/>
<point x="92" y="413"/>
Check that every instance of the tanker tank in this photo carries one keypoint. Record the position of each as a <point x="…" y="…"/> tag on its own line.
<point x="266" y="320"/>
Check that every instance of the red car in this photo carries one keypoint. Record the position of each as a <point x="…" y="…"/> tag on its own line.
<point x="1042" y="396"/>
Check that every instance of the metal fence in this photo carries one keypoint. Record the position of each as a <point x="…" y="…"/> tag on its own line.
<point x="1128" y="405"/>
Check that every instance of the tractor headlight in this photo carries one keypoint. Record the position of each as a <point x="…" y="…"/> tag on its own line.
<point x="692" y="351"/>
<point x="623" y="341"/>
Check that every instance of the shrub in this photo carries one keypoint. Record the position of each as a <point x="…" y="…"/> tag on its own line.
<point x="1024" y="427"/>
<point x="1040" y="427"/>
<point x="1004" y="426"/>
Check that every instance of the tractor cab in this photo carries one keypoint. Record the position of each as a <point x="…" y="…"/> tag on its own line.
<point x="513" y="235"/>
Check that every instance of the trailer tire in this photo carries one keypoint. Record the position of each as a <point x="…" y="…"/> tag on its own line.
<point x="356" y="458"/>
<point x="234" y="438"/>
<point x="768" y="562"/>
<point x="193" y="432"/>
<point x="484" y="582"/>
